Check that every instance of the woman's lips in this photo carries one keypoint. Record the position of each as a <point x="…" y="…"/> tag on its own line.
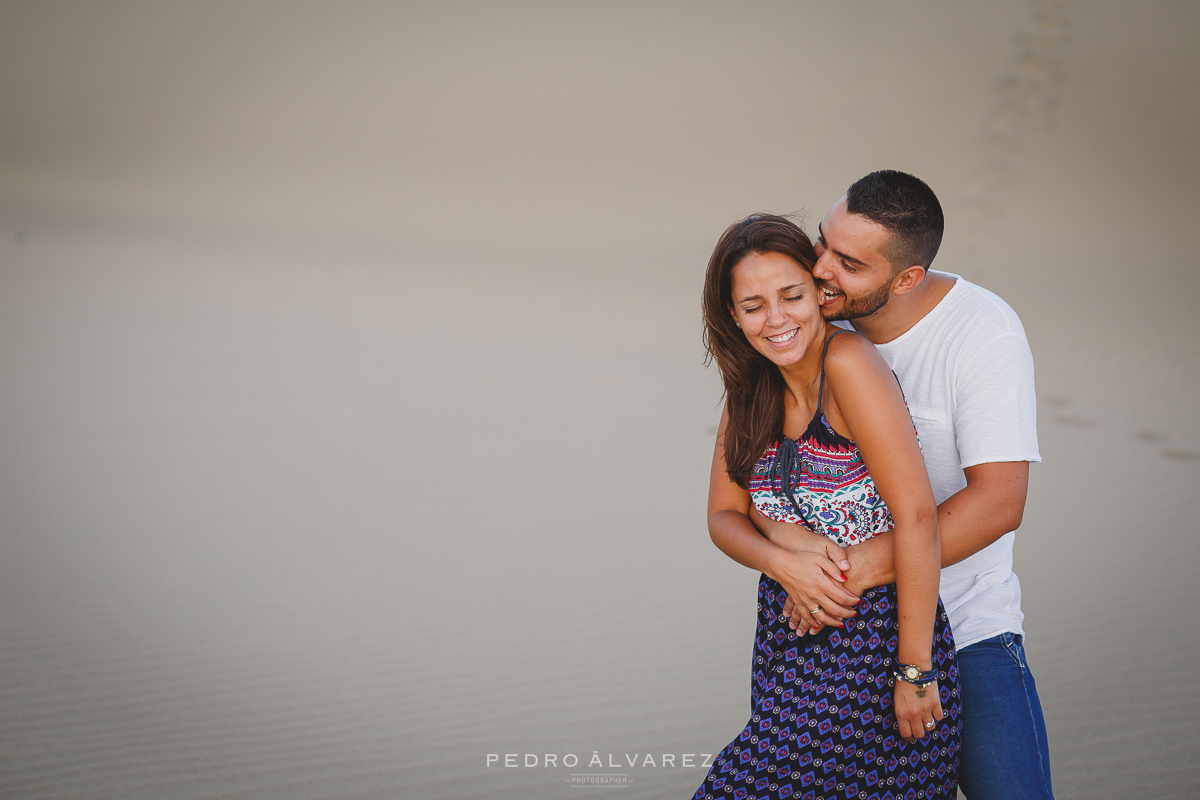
<point x="783" y="338"/>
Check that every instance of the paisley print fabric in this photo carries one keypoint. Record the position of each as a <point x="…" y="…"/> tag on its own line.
<point x="838" y="499"/>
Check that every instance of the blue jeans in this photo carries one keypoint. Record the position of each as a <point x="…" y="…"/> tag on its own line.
<point x="1004" y="752"/>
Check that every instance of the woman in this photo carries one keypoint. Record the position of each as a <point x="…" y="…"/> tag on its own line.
<point x="815" y="430"/>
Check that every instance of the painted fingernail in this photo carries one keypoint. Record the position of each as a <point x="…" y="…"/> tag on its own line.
<point x="843" y="577"/>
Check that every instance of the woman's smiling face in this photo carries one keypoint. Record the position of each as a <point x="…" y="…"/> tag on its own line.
<point x="774" y="299"/>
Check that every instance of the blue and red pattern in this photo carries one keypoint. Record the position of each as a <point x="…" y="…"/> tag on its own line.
<point x="839" y="498"/>
<point x="822" y="724"/>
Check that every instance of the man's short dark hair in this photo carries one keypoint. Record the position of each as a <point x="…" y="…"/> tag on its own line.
<point x="908" y="208"/>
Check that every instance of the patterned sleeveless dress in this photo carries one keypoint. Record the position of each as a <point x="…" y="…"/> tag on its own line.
<point x="821" y="722"/>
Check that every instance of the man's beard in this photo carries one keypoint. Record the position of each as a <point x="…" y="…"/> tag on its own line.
<point x="862" y="306"/>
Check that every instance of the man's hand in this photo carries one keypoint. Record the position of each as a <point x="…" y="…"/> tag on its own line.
<point x="871" y="563"/>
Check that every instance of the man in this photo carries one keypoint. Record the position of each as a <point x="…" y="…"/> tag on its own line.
<point x="963" y="361"/>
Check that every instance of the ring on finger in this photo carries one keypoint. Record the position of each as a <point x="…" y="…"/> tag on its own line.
<point x="929" y="725"/>
<point x="815" y="610"/>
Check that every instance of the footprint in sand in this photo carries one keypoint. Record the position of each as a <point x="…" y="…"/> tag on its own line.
<point x="1144" y="434"/>
<point x="1173" y="453"/>
<point x="1064" y="417"/>
<point x="1026" y="94"/>
<point x="1073" y="420"/>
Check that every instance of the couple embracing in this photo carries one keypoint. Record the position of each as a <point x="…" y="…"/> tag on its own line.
<point x="872" y="463"/>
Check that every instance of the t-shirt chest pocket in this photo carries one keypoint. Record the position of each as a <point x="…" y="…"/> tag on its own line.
<point x="931" y="424"/>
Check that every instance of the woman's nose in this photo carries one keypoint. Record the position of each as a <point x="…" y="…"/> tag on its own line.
<point x="775" y="315"/>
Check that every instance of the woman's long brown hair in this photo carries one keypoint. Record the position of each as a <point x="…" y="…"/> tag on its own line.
<point x="753" y="385"/>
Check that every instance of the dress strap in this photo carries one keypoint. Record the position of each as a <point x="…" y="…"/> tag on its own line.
<point x="821" y="386"/>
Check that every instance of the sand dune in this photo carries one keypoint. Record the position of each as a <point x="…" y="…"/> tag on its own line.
<point x="354" y="425"/>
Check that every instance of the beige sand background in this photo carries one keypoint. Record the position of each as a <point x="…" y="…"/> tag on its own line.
<point x="353" y="424"/>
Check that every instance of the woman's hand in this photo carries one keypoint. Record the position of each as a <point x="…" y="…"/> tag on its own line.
<point x="916" y="708"/>
<point x="812" y="581"/>
<point x="797" y="538"/>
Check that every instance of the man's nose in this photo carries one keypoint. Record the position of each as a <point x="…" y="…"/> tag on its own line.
<point x="822" y="270"/>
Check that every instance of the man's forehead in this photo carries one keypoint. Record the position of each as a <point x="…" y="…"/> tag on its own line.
<point x="839" y="207"/>
<point x="854" y="227"/>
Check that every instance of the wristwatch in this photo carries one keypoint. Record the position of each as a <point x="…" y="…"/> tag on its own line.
<point x="910" y="673"/>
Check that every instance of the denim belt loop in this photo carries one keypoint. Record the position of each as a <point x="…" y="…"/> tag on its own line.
<point x="1012" y="643"/>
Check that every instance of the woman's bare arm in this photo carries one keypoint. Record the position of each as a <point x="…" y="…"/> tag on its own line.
<point x="867" y="401"/>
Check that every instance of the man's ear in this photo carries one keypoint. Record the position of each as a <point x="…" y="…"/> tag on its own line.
<point x="908" y="279"/>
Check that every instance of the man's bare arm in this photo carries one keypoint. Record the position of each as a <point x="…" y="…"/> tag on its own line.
<point x="991" y="505"/>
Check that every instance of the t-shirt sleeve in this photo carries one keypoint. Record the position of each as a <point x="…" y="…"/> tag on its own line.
<point x="996" y="414"/>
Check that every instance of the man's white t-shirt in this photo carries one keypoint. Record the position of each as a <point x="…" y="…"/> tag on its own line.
<point x="967" y="376"/>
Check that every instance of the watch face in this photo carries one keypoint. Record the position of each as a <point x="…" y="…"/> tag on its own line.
<point x="912" y="673"/>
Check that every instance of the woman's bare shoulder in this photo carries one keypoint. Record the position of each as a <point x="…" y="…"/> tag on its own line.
<point x="851" y="353"/>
